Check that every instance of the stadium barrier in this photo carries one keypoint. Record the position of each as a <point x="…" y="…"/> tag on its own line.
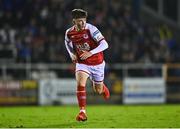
<point x="144" y="91"/>
<point x="18" y="92"/>
<point x="57" y="91"/>
<point x="116" y="75"/>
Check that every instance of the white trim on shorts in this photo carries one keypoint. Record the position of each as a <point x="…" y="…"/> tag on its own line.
<point x="97" y="82"/>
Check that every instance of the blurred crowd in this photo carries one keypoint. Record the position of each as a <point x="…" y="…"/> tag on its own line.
<point x="36" y="28"/>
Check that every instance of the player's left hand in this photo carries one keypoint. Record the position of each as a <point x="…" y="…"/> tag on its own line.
<point x="85" y="55"/>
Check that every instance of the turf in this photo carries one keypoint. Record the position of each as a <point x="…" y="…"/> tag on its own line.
<point x="103" y="116"/>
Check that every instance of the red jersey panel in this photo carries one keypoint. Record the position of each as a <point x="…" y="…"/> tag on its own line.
<point x="84" y="41"/>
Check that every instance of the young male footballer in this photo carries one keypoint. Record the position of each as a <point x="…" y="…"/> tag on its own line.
<point x="85" y="45"/>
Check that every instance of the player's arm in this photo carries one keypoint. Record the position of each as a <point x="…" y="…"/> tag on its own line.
<point x="69" y="47"/>
<point x="99" y="38"/>
<point x="103" y="45"/>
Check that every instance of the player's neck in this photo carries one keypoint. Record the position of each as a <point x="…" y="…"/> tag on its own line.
<point x="78" y="28"/>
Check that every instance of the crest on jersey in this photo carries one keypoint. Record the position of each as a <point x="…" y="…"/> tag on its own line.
<point x="72" y="36"/>
<point x="85" y="36"/>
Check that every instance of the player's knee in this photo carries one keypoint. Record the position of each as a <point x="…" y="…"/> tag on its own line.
<point x="81" y="83"/>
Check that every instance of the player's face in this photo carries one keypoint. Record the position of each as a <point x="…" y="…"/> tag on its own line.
<point x="80" y="23"/>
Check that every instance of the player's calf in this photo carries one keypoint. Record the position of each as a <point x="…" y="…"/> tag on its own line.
<point x="98" y="88"/>
<point x="102" y="89"/>
<point x="99" y="91"/>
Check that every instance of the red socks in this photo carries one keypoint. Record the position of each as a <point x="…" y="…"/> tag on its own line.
<point x="81" y="96"/>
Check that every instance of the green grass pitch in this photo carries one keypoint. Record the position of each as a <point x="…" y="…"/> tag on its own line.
<point x="102" y="116"/>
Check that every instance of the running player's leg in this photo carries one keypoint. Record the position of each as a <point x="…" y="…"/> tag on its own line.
<point x="101" y="88"/>
<point x="98" y="78"/>
<point x="81" y="78"/>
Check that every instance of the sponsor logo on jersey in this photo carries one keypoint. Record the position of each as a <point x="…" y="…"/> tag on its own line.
<point x="83" y="47"/>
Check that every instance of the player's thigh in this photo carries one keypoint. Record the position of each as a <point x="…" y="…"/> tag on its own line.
<point x="81" y="78"/>
<point x="82" y="74"/>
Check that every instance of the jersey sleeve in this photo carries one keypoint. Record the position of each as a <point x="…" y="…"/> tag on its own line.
<point x="96" y="34"/>
<point x="69" y="45"/>
<point x="66" y="37"/>
<point x="101" y="47"/>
